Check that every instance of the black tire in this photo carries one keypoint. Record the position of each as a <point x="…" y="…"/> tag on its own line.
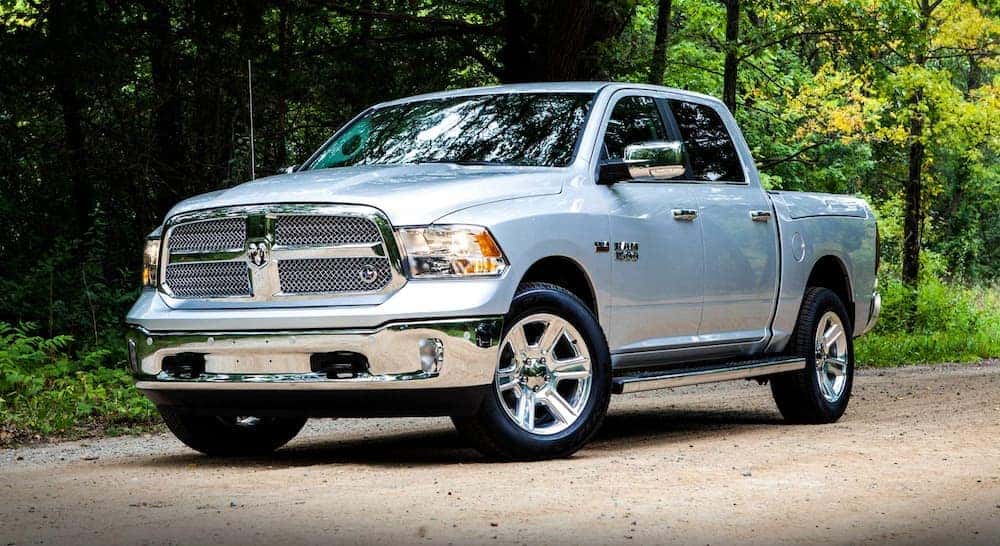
<point x="798" y="394"/>
<point x="495" y="435"/>
<point x="218" y="436"/>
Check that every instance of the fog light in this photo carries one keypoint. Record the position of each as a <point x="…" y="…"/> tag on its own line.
<point x="184" y="365"/>
<point x="339" y="364"/>
<point x="431" y="355"/>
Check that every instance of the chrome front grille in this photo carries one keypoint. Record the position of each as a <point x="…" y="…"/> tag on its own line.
<point x="209" y="236"/>
<point x="279" y="252"/>
<point x="313" y="276"/>
<point x="304" y="229"/>
<point x="208" y="279"/>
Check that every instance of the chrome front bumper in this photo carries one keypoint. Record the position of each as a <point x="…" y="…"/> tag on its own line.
<point x="436" y="354"/>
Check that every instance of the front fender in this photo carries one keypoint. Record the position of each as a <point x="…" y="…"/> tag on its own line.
<point x="530" y="229"/>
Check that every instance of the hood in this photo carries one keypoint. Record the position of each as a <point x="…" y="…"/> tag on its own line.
<point x="409" y="194"/>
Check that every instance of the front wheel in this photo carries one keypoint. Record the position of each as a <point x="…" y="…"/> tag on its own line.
<point x="224" y="436"/>
<point x="552" y="383"/>
<point x="820" y="392"/>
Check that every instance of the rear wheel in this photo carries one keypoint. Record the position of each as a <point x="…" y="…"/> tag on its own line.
<point x="820" y="392"/>
<point x="552" y="383"/>
<point x="225" y="436"/>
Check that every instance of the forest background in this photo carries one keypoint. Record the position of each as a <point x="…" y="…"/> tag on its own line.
<point x="111" y="111"/>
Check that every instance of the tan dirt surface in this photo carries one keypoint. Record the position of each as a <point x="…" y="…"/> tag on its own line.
<point x="915" y="460"/>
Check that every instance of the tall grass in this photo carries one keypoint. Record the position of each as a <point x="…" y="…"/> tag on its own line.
<point x="950" y="323"/>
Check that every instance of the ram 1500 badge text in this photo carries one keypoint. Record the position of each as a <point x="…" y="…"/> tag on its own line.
<point x="510" y="257"/>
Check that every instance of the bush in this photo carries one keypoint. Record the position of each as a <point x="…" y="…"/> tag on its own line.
<point x="44" y="390"/>
<point x="938" y="322"/>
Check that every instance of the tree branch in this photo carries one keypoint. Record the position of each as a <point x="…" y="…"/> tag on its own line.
<point x="695" y="66"/>
<point x="803" y="34"/>
<point x="468" y="28"/>
<point x="771" y="162"/>
<point x="493" y="68"/>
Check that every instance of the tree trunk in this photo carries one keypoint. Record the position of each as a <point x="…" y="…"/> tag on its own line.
<point x="212" y="78"/>
<point x="569" y="23"/>
<point x="62" y="48"/>
<point x="281" y="99"/>
<point x="732" y="61"/>
<point x="169" y="162"/>
<point x="658" y="63"/>
<point x="912" y="213"/>
<point x="546" y="40"/>
<point x="517" y="64"/>
<point x="974" y="79"/>
<point x="250" y="45"/>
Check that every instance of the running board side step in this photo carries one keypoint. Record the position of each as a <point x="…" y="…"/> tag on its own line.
<point x="647" y="381"/>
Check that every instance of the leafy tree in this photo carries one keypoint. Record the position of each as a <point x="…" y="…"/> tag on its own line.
<point x="111" y="112"/>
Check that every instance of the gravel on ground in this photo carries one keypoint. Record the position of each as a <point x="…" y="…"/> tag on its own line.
<point x="916" y="460"/>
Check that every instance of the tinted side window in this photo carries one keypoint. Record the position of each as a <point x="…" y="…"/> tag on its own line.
<point x="709" y="148"/>
<point x="634" y="119"/>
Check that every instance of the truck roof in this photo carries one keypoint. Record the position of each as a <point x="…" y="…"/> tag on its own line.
<point x="545" y="87"/>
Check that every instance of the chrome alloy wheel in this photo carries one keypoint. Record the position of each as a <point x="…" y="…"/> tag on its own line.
<point x="544" y="374"/>
<point x="831" y="356"/>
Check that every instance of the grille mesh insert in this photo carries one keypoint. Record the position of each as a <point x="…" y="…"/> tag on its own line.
<point x="302" y="236"/>
<point x="322" y="275"/>
<point x="208" y="279"/>
<point x="301" y="230"/>
<point x="209" y="236"/>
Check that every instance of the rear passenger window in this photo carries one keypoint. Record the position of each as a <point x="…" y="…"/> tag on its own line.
<point x="710" y="150"/>
<point x="633" y="120"/>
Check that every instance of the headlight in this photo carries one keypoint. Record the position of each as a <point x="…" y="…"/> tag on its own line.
<point x="150" y="263"/>
<point x="451" y="251"/>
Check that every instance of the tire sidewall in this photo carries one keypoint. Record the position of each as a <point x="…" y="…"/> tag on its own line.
<point x="825" y="301"/>
<point x="542" y="299"/>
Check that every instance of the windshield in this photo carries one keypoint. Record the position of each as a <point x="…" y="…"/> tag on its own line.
<point x="537" y="129"/>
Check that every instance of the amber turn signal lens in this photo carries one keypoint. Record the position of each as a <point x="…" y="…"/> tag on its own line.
<point x="487" y="246"/>
<point x="450" y="251"/>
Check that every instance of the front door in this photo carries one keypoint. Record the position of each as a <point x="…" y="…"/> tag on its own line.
<point x="657" y="256"/>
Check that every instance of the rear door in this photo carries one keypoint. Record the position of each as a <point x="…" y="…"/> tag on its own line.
<point x="740" y="231"/>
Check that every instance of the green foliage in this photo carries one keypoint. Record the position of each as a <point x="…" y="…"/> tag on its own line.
<point x="46" y="390"/>
<point x="111" y="112"/>
<point x="952" y="324"/>
<point x="939" y="321"/>
<point x="827" y="92"/>
<point x="827" y="95"/>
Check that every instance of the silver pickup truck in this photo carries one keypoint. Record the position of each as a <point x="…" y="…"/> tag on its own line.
<point x="510" y="257"/>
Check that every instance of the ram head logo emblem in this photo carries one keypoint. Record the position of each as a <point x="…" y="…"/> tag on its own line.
<point x="368" y="274"/>
<point x="257" y="254"/>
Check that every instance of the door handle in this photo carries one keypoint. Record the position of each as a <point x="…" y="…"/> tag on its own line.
<point x="760" y="215"/>
<point x="685" y="215"/>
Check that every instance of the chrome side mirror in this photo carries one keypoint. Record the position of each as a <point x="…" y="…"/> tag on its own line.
<point x="657" y="160"/>
<point x="288" y="170"/>
<point x="660" y="160"/>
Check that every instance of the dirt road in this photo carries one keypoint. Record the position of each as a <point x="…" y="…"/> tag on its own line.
<point x="915" y="460"/>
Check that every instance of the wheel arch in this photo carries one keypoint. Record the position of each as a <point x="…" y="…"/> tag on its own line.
<point x="567" y="273"/>
<point x="830" y="272"/>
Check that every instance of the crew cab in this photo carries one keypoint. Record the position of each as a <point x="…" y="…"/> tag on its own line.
<point x="508" y="256"/>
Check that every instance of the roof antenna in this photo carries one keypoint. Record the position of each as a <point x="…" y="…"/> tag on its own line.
<point x="253" y="159"/>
